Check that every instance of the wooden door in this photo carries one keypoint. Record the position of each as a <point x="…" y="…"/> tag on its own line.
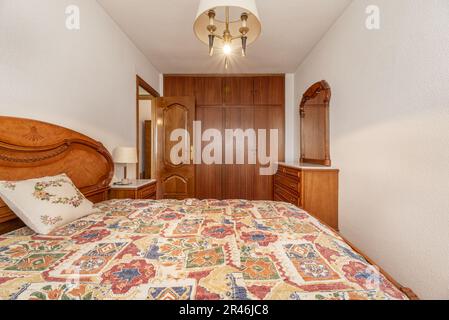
<point x="209" y="181"/>
<point x="269" y="90"/>
<point x="238" y="179"/>
<point x="238" y="91"/>
<point x="148" y="149"/>
<point x="179" y="86"/>
<point x="209" y="91"/>
<point x="174" y="181"/>
<point x="268" y="117"/>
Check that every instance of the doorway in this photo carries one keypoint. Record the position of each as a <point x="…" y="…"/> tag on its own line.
<point x="145" y="96"/>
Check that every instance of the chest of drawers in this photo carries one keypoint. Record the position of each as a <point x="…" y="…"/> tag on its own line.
<point x="314" y="189"/>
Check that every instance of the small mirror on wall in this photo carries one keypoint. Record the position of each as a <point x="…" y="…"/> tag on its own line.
<point x="314" y="115"/>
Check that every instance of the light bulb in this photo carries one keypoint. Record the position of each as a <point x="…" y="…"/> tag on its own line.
<point x="227" y="49"/>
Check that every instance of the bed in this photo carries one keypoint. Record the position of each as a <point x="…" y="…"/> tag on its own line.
<point x="167" y="249"/>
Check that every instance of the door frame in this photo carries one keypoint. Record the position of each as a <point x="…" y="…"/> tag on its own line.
<point x="142" y="83"/>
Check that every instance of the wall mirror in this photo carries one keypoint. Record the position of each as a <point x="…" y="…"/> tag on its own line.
<point x="314" y="115"/>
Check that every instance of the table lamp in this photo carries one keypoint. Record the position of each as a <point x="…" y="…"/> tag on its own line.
<point x="125" y="156"/>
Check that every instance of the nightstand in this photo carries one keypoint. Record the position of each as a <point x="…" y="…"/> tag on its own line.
<point x="139" y="189"/>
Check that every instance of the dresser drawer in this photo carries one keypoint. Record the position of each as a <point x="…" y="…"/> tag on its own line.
<point x="282" y="194"/>
<point x="148" y="192"/>
<point x="278" y="197"/>
<point x="288" y="182"/>
<point x="290" y="172"/>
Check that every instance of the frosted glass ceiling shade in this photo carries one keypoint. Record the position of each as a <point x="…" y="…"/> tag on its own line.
<point x="237" y="7"/>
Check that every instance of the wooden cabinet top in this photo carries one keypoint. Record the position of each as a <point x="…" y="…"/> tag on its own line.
<point x="299" y="166"/>
<point x="135" y="185"/>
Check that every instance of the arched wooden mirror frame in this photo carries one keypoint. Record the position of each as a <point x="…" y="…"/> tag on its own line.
<point x="315" y="131"/>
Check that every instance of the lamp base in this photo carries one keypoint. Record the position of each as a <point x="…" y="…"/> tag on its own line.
<point x="124" y="182"/>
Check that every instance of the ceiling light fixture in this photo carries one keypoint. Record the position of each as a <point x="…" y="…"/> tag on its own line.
<point x="220" y="22"/>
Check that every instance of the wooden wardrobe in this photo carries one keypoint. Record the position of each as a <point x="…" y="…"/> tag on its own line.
<point x="234" y="102"/>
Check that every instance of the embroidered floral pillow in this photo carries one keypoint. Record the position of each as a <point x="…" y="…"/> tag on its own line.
<point x="45" y="204"/>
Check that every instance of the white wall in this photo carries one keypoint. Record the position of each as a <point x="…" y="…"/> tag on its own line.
<point x="83" y="80"/>
<point x="390" y="135"/>
<point x="291" y="120"/>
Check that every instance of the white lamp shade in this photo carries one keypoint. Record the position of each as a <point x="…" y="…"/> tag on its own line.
<point x="237" y="7"/>
<point x="125" y="155"/>
<point x="248" y="6"/>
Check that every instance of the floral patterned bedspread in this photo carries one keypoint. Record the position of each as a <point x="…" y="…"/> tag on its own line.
<point x="188" y="250"/>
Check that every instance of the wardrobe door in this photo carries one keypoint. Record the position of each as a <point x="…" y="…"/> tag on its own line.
<point x="179" y="86"/>
<point x="209" y="177"/>
<point x="268" y="117"/>
<point x="269" y="90"/>
<point x="209" y="91"/>
<point x="238" y="91"/>
<point x="238" y="179"/>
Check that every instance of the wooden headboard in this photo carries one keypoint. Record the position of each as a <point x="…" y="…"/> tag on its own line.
<point x="33" y="149"/>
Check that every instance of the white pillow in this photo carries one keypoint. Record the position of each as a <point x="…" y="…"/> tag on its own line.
<point x="45" y="204"/>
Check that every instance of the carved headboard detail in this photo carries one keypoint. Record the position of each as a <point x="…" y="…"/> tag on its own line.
<point x="32" y="149"/>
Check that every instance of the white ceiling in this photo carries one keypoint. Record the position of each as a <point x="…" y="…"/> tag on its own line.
<point x="163" y="31"/>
